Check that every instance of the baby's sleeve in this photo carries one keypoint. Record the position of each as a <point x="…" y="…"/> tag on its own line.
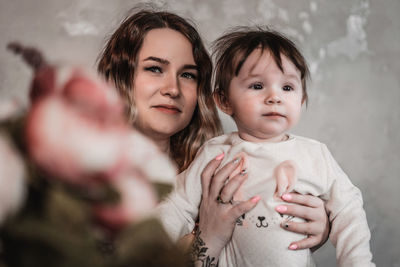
<point x="349" y="228"/>
<point x="179" y="210"/>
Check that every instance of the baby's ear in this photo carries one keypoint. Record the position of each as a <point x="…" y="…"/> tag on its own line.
<point x="222" y="102"/>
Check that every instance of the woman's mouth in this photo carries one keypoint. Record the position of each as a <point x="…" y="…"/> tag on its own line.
<point x="168" y="109"/>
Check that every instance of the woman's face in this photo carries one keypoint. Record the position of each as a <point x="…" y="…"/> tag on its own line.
<point x="165" y="85"/>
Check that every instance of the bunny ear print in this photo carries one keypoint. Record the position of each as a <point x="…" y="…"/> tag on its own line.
<point x="286" y="177"/>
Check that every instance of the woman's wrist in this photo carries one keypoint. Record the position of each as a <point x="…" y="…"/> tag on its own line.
<point x="202" y="254"/>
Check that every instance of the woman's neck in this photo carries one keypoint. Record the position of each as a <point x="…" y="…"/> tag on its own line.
<point x="162" y="141"/>
<point x="163" y="145"/>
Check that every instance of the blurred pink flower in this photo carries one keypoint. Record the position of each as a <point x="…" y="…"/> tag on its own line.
<point x="70" y="146"/>
<point x="12" y="179"/>
<point x="81" y="88"/>
<point x="77" y="132"/>
<point x="138" y="198"/>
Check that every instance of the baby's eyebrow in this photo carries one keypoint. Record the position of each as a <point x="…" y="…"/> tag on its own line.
<point x="293" y="77"/>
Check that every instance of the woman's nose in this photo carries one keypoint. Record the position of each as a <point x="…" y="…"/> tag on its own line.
<point x="171" y="87"/>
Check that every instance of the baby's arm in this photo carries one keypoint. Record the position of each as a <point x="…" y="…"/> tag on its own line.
<point x="349" y="228"/>
<point x="179" y="210"/>
<point x="176" y="214"/>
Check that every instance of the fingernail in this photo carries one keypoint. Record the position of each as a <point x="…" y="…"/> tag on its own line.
<point x="286" y="196"/>
<point x="293" y="247"/>
<point x="286" y="225"/>
<point x="243" y="172"/>
<point x="255" y="199"/>
<point x="281" y="208"/>
<point x="236" y="161"/>
<point x="220" y="156"/>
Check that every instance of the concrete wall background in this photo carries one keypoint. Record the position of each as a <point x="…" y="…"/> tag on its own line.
<point x="353" y="48"/>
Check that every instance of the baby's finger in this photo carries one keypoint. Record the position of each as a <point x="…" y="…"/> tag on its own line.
<point x="220" y="177"/>
<point x="208" y="172"/>
<point x="305" y="200"/>
<point x="305" y="243"/>
<point x="232" y="186"/>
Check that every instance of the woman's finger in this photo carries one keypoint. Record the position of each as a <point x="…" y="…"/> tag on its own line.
<point x="220" y="177"/>
<point x="232" y="186"/>
<point x="244" y="207"/>
<point x="305" y="243"/>
<point x="307" y="213"/>
<point x="305" y="228"/>
<point x="308" y="229"/>
<point x="208" y="173"/>
<point x="312" y="209"/>
<point x="305" y="200"/>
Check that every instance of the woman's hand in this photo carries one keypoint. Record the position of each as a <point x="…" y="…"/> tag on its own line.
<point x="312" y="209"/>
<point x="217" y="214"/>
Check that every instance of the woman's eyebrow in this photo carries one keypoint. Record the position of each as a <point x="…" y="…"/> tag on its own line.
<point x="157" y="59"/>
<point x="190" y="66"/>
<point x="166" y="62"/>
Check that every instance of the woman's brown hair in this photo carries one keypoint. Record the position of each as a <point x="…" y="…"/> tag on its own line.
<point x="118" y="61"/>
<point x="232" y="49"/>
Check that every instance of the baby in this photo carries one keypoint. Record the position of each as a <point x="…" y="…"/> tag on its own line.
<point x="261" y="83"/>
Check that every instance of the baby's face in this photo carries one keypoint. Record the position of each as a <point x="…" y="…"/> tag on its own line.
<point x="264" y="101"/>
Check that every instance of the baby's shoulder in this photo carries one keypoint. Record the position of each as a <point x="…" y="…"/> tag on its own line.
<point x="307" y="141"/>
<point x="309" y="144"/>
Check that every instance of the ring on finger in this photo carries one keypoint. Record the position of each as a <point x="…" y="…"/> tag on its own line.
<point x="219" y="200"/>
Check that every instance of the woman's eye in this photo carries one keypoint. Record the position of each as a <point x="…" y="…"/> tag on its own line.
<point x="256" y="86"/>
<point x="154" y="69"/>
<point x="287" y="88"/>
<point x="189" y="75"/>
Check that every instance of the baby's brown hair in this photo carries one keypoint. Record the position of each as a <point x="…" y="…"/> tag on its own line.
<point x="232" y="49"/>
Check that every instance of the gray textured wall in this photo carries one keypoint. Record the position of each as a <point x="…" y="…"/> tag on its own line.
<point x="353" y="47"/>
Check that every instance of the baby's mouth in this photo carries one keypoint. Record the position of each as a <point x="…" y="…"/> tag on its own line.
<point x="274" y="114"/>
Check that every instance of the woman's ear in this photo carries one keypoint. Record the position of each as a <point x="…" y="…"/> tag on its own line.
<point x="222" y="103"/>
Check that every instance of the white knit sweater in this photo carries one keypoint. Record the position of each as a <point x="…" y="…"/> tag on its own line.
<point x="258" y="240"/>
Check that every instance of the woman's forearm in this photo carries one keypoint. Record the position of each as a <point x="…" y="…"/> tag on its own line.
<point x="203" y="255"/>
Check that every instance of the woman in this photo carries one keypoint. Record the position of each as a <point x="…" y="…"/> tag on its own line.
<point x="161" y="68"/>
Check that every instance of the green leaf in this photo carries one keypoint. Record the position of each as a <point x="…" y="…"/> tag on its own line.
<point x="162" y="189"/>
<point x="14" y="127"/>
<point x="67" y="211"/>
<point x="147" y="244"/>
<point x="33" y="242"/>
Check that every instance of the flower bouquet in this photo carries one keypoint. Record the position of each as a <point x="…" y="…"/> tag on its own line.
<point x="77" y="183"/>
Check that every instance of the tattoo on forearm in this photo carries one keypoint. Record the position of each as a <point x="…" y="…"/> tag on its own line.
<point x="199" y="253"/>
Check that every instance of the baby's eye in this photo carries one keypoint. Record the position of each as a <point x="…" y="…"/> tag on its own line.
<point x="287" y="88"/>
<point x="256" y="86"/>
<point x="189" y="75"/>
<point x="154" y="69"/>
